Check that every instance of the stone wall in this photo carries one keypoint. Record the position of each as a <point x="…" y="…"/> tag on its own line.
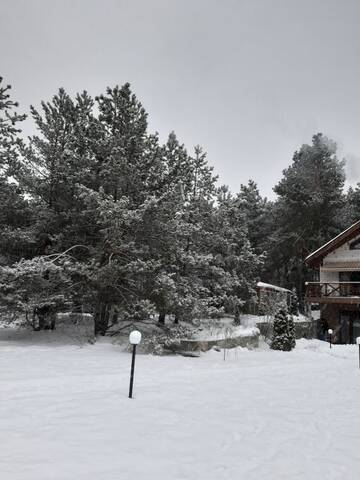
<point x="250" y="341"/>
<point x="306" y="329"/>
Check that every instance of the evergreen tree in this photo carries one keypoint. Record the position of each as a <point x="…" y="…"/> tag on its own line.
<point x="233" y="252"/>
<point x="283" y="331"/>
<point x="351" y="211"/>
<point x="37" y="288"/>
<point x="15" y="213"/>
<point x="255" y="211"/>
<point x="306" y="214"/>
<point x="51" y="171"/>
<point x="9" y="139"/>
<point x="142" y="223"/>
<point x="311" y="190"/>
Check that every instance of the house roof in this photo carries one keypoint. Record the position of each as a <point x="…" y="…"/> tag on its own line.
<point x="315" y="258"/>
<point x="268" y="286"/>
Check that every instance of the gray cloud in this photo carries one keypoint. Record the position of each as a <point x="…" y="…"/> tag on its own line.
<point x="250" y="81"/>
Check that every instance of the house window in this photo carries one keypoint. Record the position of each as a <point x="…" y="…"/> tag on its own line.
<point x="344" y="276"/>
<point x="355" y="277"/>
<point x="355" y="245"/>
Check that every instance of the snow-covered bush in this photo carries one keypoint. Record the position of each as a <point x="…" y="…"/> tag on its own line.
<point x="283" y="331"/>
<point x="165" y="342"/>
<point x="11" y="319"/>
<point x="37" y="289"/>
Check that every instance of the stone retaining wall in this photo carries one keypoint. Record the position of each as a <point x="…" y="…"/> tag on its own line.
<point x="302" y="329"/>
<point x="306" y="329"/>
<point x="250" y="341"/>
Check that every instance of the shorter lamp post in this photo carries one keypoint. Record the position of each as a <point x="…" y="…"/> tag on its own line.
<point x="358" y="343"/>
<point x="134" y="339"/>
<point x="330" y="332"/>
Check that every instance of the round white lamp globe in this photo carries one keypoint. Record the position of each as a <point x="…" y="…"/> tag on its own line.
<point x="330" y="332"/>
<point x="358" y="341"/>
<point x="135" y="337"/>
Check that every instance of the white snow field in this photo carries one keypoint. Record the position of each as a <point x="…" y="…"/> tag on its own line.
<point x="260" y="414"/>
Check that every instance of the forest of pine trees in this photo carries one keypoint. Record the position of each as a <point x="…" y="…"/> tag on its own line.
<point x="97" y="215"/>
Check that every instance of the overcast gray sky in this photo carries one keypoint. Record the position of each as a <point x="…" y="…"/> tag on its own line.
<point x="249" y="80"/>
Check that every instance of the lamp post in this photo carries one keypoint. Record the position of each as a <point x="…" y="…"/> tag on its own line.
<point x="134" y="339"/>
<point x="330" y="332"/>
<point x="358" y="343"/>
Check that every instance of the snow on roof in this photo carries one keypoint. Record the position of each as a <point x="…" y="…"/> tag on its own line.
<point x="272" y="287"/>
<point x="323" y="247"/>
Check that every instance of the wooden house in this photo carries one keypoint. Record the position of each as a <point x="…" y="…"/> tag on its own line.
<point x="336" y="267"/>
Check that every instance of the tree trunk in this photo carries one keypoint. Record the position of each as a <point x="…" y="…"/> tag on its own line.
<point x="41" y="321"/>
<point x="176" y="321"/>
<point x="101" y="318"/>
<point x="161" y="318"/>
<point x="52" y="321"/>
<point x="237" y="317"/>
<point x="44" y="318"/>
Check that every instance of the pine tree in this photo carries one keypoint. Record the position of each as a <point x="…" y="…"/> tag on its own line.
<point x="283" y="331"/>
<point x="240" y="264"/>
<point x="37" y="288"/>
<point x="15" y="213"/>
<point x="255" y="211"/>
<point x="143" y="222"/>
<point x="9" y="132"/>
<point x="306" y="213"/>
<point x="351" y="211"/>
<point x="311" y="189"/>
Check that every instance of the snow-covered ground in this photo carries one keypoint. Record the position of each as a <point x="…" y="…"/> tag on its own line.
<point x="65" y="415"/>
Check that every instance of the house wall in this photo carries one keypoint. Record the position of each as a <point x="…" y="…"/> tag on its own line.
<point x="341" y="254"/>
<point x="328" y="276"/>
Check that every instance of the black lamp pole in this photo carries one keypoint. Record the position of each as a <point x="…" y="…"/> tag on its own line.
<point x="330" y="332"/>
<point x="134" y="339"/>
<point x="132" y="371"/>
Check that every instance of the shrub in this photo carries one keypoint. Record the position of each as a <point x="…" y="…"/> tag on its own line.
<point x="283" y="331"/>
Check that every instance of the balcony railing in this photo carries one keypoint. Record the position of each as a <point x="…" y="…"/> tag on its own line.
<point x="332" y="289"/>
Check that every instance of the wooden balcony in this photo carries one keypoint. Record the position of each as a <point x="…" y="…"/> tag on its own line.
<point x="333" y="292"/>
